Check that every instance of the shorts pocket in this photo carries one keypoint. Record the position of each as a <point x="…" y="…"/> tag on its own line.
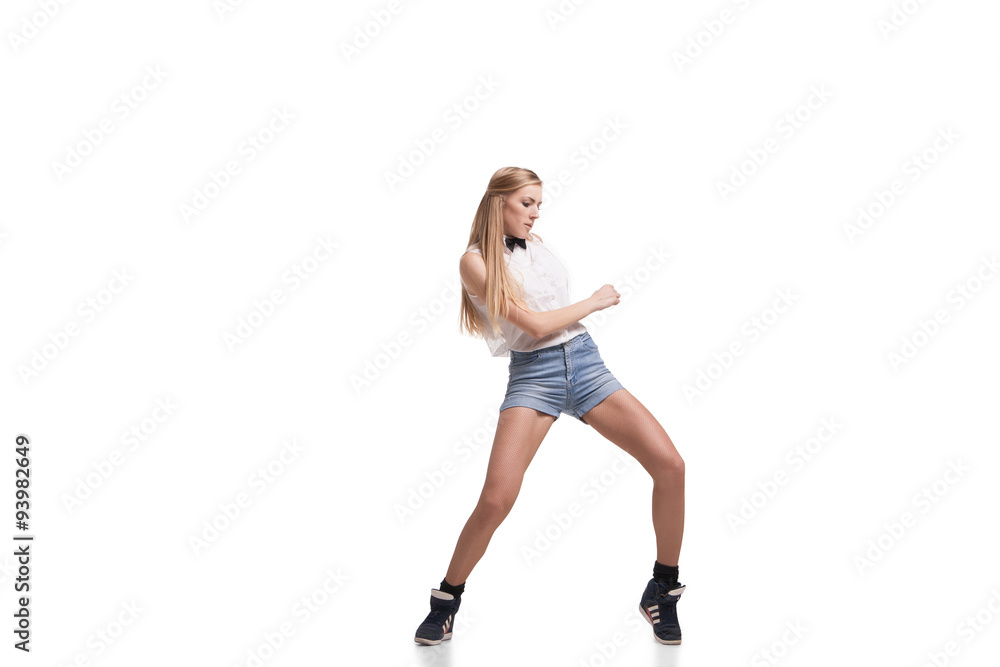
<point x="523" y="359"/>
<point x="589" y="342"/>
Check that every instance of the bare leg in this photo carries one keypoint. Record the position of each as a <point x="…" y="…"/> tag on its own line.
<point x="520" y="431"/>
<point x="626" y="422"/>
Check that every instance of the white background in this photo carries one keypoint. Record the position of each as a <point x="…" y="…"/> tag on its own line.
<point x="651" y="184"/>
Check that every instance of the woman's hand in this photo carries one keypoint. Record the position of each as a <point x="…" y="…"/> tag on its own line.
<point x="605" y="297"/>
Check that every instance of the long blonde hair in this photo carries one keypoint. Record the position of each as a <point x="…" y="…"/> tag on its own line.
<point x="487" y="233"/>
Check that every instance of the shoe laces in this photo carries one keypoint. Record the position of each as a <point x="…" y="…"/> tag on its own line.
<point x="439" y="615"/>
<point x="663" y="589"/>
<point x="667" y="603"/>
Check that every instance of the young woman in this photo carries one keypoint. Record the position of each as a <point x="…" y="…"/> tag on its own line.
<point x="515" y="295"/>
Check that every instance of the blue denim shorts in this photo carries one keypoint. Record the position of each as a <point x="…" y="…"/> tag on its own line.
<point x="570" y="377"/>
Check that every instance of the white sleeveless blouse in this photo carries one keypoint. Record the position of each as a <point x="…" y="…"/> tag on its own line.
<point x="546" y="287"/>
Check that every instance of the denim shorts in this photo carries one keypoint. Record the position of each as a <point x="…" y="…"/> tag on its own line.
<point x="570" y="377"/>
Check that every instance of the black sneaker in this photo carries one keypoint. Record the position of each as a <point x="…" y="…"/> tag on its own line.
<point x="659" y="606"/>
<point x="437" y="626"/>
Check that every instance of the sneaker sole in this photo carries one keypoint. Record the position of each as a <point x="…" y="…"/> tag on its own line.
<point x="431" y="642"/>
<point x="645" y="615"/>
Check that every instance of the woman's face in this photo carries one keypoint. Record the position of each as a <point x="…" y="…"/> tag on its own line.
<point x="521" y="210"/>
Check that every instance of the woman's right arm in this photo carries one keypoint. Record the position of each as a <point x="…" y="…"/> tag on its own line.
<point x="472" y="269"/>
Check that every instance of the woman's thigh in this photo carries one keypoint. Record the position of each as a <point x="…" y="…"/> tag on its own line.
<point x="520" y="431"/>
<point x="626" y="422"/>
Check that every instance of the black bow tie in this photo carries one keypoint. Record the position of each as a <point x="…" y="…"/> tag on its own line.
<point x="511" y="241"/>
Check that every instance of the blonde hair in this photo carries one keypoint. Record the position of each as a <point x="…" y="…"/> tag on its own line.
<point x="487" y="233"/>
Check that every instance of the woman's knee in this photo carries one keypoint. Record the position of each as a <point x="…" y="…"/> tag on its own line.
<point x="669" y="468"/>
<point x="494" y="508"/>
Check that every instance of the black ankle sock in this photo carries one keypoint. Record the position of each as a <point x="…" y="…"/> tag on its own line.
<point x="665" y="573"/>
<point x="457" y="591"/>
